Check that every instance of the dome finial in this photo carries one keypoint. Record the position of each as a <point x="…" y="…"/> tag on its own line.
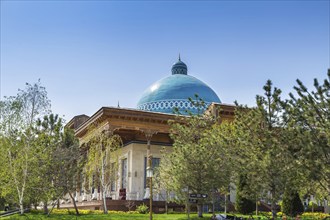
<point x="179" y="67"/>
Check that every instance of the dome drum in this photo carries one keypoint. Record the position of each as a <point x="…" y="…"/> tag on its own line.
<point x="167" y="106"/>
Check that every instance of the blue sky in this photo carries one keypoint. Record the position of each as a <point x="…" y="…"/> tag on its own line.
<point x="90" y="54"/>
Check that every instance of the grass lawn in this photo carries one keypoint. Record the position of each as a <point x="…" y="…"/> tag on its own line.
<point x="111" y="216"/>
<point x="122" y="216"/>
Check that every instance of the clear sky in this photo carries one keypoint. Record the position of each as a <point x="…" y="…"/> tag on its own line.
<point x="90" y="54"/>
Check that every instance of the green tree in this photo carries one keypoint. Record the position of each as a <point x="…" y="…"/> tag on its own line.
<point x="17" y="121"/>
<point x="243" y="203"/>
<point x="263" y="145"/>
<point x="160" y="186"/>
<point x="198" y="161"/>
<point x="50" y="137"/>
<point x="246" y="157"/>
<point x="102" y="159"/>
<point x="291" y="203"/>
<point x="308" y="115"/>
<point x="68" y="161"/>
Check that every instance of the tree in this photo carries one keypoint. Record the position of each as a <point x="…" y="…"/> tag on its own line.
<point x="264" y="144"/>
<point x="18" y="118"/>
<point x="198" y="161"/>
<point x="102" y="159"/>
<point x="50" y="137"/>
<point x="160" y="185"/>
<point x="308" y="113"/>
<point x="6" y="192"/>
<point x="67" y="166"/>
<point x="243" y="204"/>
<point x="291" y="204"/>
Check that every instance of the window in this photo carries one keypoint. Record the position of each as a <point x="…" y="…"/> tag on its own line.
<point x="112" y="177"/>
<point x="124" y="173"/>
<point x="155" y="163"/>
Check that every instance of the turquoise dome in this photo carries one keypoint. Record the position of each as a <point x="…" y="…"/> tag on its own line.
<point x="174" y="91"/>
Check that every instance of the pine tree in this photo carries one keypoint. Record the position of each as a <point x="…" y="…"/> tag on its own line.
<point x="308" y="115"/>
<point x="262" y="146"/>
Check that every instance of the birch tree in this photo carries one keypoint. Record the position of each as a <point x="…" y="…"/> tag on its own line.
<point x="102" y="160"/>
<point x="17" y="120"/>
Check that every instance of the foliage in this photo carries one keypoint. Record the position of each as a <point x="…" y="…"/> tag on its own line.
<point x="49" y="130"/>
<point x="119" y="215"/>
<point x="19" y="139"/>
<point x="102" y="159"/>
<point x="84" y="212"/>
<point x="113" y="215"/>
<point x="40" y="159"/>
<point x="291" y="204"/>
<point x="67" y="165"/>
<point x="160" y="186"/>
<point x="243" y="204"/>
<point x="196" y="158"/>
<point x="312" y="205"/>
<point x="265" y="147"/>
<point x="308" y="114"/>
<point x="315" y="215"/>
<point x="142" y="209"/>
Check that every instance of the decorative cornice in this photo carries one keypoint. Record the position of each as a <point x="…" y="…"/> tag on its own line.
<point x="111" y="114"/>
<point x="122" y="118"/>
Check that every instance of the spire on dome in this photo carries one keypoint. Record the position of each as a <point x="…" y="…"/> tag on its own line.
<point x="179" y="67"/>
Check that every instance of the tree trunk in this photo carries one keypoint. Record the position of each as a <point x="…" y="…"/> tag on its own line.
<point x="21" y="207"/>
<point x="188" y="210"/>
<point x="213" y="205"/>
<point x="225" y="204"/>
<point x="188" y="204"/>
<point x="200" y="210"/>
<point x="58" y="204"/>
<point x="273" y="205"/>
<point x="256" y="206"/>
<point x="166" y="207"/>
<point x="45" y="207"/>
<point x="57" y="201"/>
<point x="105" y="209"/>
<point x="74" y="203"/>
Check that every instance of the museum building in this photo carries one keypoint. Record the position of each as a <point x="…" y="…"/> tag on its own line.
<point x="145" y="131"/>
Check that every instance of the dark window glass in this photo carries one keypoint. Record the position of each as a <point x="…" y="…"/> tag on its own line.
<point x="155" y="163"/>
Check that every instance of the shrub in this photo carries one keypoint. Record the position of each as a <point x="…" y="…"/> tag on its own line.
<point x="315" y="215"/>
<point x="142" y="209"/>
<point x="312" y="206"/>
<point x="132" y="212"/>
<point x="73" y="211"/>
<point x="291" y="204"/>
